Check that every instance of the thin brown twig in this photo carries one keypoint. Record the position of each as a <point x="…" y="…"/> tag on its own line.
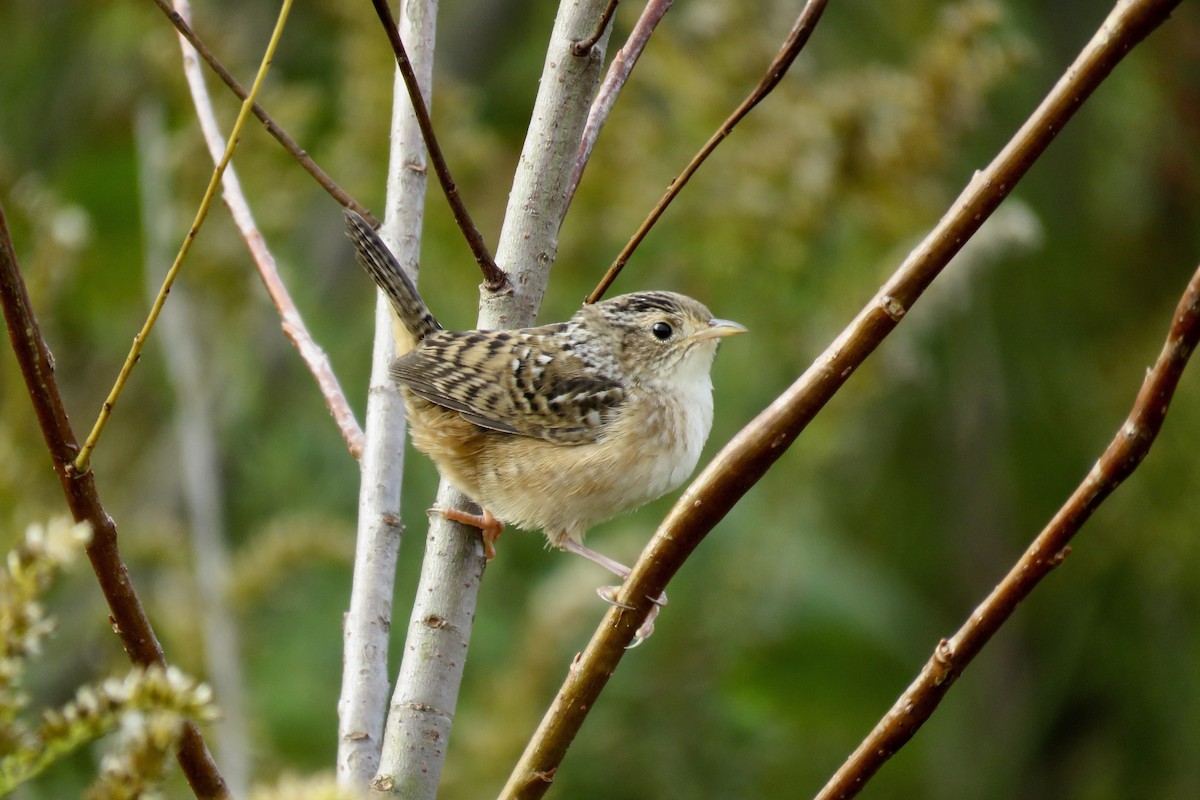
<point x="293" y="324"/>
<point x="128" y="618"/>
<point x="951" y="656"/>
<point x="748" y="456"/>
<point x="584" y="46"/>
<point x="796" y="39"/>
<point x="494" y="278"/>
<point x="614" y="80"/>
<point x="288" y="143"/>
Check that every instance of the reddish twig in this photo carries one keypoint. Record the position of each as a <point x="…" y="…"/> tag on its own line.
<point x="293" y="324"/>
<point x="1130" y="445"/>
<point x="127" y="616"/>
<point x="614" y="80"/>
<point x="748" y="456"/>
<point x="289" y="144"/>
<point x="584" y="46"/>
<point x="796" y="39"/>
<point x="494" y="278"/>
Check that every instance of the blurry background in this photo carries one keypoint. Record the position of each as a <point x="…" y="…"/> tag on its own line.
<point x="818" y="599"/>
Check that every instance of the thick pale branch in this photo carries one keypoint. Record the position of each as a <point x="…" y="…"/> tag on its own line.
<point x="810" y="15"/>
<point x="1130" y="445"/>
<point x="439" y="630"/>
<point x="367" y="628"/>
<point x="128" y="618"/>
<point x="748" y="456"/>
<point x="302" y="157"/>
<point x="293" y="324"/>
<point x="494" y="278"/>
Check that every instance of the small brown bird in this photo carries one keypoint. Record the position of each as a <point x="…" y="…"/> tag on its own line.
<point x="558" y="427"/>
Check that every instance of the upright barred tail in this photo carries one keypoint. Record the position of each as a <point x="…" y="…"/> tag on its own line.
<point x="387" y="273"/>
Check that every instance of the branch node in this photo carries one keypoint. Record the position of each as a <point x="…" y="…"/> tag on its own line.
<point x="892" y="307"/>
<point x="583" y="47"/>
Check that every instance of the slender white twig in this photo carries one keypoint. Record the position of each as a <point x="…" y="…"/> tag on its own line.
<point x="293" y="325"/>
<point x="422" y="708"/>
<point x="368" y="623"/>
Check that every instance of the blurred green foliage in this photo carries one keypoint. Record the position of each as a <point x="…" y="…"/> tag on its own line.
<point x="815" y="603"/>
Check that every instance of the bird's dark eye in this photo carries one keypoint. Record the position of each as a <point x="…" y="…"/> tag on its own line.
<point x="662" y="331"/>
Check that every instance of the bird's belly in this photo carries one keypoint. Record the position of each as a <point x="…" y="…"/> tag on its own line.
<point x="566" y="489"/>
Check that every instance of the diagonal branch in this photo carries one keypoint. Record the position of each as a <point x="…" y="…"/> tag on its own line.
<point x="293" y="324"/>
<point x="614" y="80"/>
<point x="748" y="456"/>
<point x="951" y="657"/>
<point x="128" y="618"/>
<point x="139" y="339"/>
<point x="289" y="144"/>
<point x="810" y="15"/>
<point x="495" y="280"/>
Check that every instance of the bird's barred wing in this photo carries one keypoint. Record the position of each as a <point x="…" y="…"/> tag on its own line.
<point x="516" y="382"/>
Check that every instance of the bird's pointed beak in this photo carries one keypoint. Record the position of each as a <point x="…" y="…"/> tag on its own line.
<point x="718" y="329"/>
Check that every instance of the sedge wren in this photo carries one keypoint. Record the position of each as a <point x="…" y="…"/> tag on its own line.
<point x="558" y="427"/>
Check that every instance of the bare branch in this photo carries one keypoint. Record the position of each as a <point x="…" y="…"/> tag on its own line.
<point x="796" y="39"/>
<point x="748" y="456"/>
<point x="293" y="324"/>
<point x="494" y="278"/>
<point x="289" y="144"/>
<point x="614" y="80"/>
<point x="1123" y="455"/>
<point x="139" y="340"/>
<point x="128" y="618"/>
<point x="439" y="629"/>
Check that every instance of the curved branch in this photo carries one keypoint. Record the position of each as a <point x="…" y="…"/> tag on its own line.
<point x="129" y="620"/>
<point x="810" y="15"/>
<point x="748" y="456"/>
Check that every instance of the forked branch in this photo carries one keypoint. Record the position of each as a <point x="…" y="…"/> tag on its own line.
<point x="748" y="456"/>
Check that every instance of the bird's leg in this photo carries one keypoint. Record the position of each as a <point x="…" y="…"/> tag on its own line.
<point x="609" y="593"/>
<point x="490" y="528"/>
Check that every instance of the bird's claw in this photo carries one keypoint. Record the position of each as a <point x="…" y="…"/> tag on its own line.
<point x="609" y="595"/>
<point x="489" y="527"/>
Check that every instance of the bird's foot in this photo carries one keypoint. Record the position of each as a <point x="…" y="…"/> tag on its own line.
<point x="489" y="527"/>
<point x="609" y="595"/>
